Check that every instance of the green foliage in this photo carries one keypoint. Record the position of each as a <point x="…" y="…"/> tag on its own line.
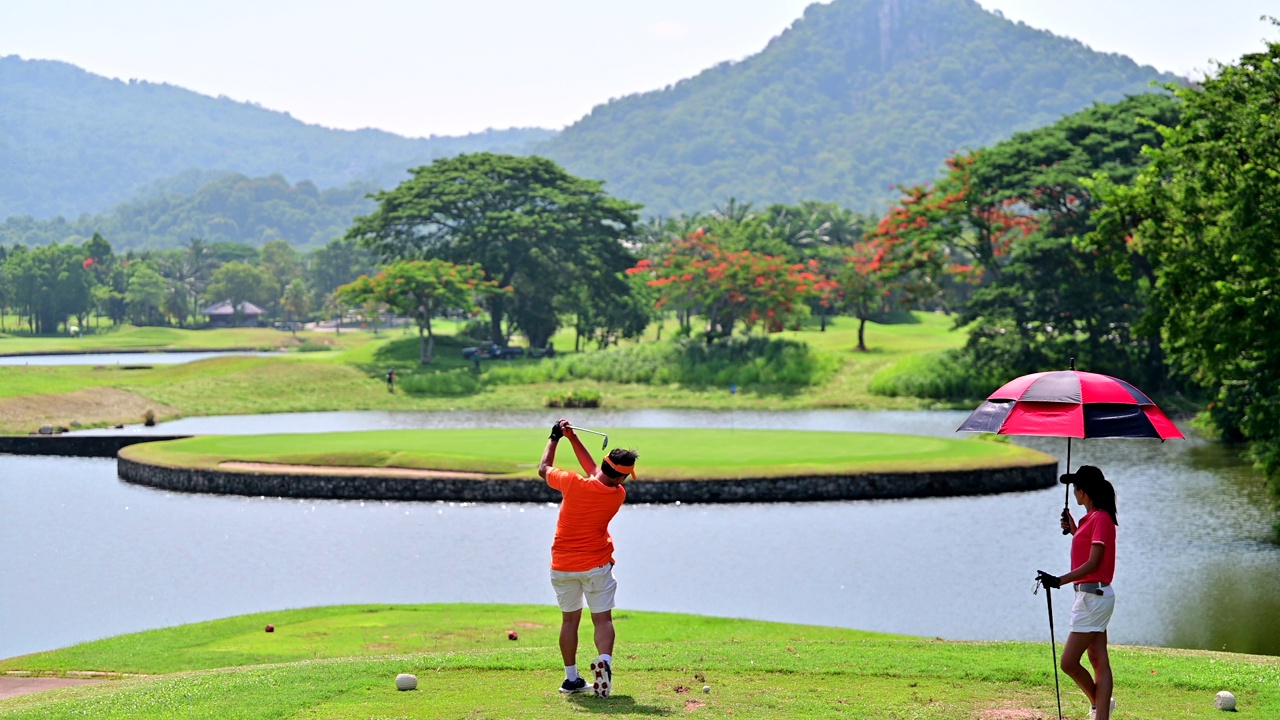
<point x="581" y="398"/>
<point x="526" y="222"/>
<point x="749" y="362"/>
<point x="943" y="375"/>
<point x="89" y="143"/>
<point x="854" y="97"/>
<point x="457" y="381"/>
<point x="1204" y="214"/>
<point x="230" y="208"/>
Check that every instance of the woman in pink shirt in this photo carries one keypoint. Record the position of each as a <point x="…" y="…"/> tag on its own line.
<point x="1093" y="563"/>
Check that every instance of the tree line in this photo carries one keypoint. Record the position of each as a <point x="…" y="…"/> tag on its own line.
<point x="52" y="288"/>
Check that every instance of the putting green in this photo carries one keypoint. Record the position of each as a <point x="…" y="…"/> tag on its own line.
<point x="665" y="454"/>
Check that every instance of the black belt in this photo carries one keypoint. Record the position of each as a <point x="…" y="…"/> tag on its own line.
<point x="1091" y="587"/>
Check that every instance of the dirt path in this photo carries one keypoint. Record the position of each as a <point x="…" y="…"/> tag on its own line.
<point x="15" y="686"/>
<point x="349" y="470"/>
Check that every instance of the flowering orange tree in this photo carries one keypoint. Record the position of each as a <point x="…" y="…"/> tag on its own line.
<point x="421" y="289"/>
<point x="695" y="275"/>
<point x="953" y="227"/>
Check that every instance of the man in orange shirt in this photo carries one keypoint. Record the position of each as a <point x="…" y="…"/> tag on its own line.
<point x="582" y="554"/>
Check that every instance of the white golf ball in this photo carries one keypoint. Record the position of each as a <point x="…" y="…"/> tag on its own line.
<point x="405" y="681"/>
<point x="1224" y="701"/>
<point x="706" y="688"/>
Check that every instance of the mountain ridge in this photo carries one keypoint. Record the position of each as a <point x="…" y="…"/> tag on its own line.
<point x="803" y="112"/>
<point x="77" y="142"/>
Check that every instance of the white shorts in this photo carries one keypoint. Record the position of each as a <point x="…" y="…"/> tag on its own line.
<point x="1091" y="612"/>
<point x="597" y="584"/>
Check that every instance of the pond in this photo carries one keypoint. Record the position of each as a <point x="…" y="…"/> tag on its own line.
<point x="87" y="556"/>
<point x="136" y="358"/>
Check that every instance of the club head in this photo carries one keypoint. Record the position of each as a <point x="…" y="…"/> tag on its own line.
<point x="606" y="443"/>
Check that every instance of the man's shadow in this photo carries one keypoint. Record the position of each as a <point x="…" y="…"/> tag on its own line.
<point x="615" y="705"/>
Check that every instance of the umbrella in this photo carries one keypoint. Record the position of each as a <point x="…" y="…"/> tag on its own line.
<point x="1070" y="404"/>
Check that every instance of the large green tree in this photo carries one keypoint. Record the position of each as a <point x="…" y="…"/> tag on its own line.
<point x="50" y="284"/>
<point x="528" y="224"/>
<point x="1206" y="215"/>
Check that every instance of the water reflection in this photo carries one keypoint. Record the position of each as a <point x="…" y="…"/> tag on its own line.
<point x="140" y="358"/>
<point x="88" y="556"/>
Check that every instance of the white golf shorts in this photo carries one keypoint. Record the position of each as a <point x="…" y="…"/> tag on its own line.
<point x="1091" y="612"/>
<point x="597" y="584"/>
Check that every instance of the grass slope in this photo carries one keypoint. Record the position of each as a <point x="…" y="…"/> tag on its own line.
<point x="350" y="376"/>
<point x="665" y="453"/>
<point x="340" y="662"/>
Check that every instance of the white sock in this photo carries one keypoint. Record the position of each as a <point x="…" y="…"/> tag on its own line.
<point x="606" y="658"/>
<point x="570" y="672"/>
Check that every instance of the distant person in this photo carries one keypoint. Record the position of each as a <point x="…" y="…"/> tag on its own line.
<point x="1093" y="563"/>
<point x="582" y="554"/>
<point x="391" y="380"/>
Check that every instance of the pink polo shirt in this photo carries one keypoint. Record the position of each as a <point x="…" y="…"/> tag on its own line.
<point x="1096" y="528"/>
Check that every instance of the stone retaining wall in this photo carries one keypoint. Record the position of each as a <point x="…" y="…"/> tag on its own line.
<point x="800" y="489"/>
<point x="103" y="446"/>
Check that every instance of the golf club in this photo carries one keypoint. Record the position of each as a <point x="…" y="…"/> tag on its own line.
<point x="1053" y="643"/>
<point x="593" y="432"/>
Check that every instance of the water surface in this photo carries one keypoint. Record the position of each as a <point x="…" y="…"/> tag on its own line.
<point x="88" y="556"/>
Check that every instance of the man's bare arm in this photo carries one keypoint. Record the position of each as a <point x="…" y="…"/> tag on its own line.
<point x="548" y="459"/>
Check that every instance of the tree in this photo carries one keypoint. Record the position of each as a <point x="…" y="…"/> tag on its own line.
<point x="50" y="284"/>
<point x="1205" y="213"/>
<point x="146" y="293"/>
<point x="239" y="282"/>
<point x="726" y="287"/>
<point x="422" y="289"/>
<point x="296" y="302"/>
<point x="524" y="220"/>
<point x="338" y="263"/>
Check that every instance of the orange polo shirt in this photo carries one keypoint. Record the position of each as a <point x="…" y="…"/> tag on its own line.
<point x="582" y="532"/>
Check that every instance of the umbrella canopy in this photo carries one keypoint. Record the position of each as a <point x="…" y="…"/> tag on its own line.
<point x="1071" y="404"/>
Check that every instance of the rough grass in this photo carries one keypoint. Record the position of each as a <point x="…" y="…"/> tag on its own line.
<point x="664" y="453"/>
<point x="341" y="663"/>
<point x="351" y="377"/>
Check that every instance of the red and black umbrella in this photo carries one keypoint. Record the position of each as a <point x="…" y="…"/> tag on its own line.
<point x="1071" y="404"/>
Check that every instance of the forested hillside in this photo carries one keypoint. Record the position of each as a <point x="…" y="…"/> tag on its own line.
<point x="73" y="142"/>
<point x="856" y="96"/>
<point x="226" y="207"/>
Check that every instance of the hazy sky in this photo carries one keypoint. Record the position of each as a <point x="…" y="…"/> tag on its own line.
<point x="447" y="67"/>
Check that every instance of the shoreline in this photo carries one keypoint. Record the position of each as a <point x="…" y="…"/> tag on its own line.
<point x="357" y="485"/>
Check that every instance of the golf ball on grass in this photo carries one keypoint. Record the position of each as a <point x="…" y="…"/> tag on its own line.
<point x="405" y="681"/>
<point x="706" y="688"/>
<point x="1225" y="701"/>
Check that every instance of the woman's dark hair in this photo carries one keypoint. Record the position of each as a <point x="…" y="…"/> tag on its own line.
<point x="1090" y="481"/>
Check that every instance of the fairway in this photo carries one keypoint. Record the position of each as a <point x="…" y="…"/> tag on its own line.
<point x="665" y="454"/>
<point x="340" y="662"/>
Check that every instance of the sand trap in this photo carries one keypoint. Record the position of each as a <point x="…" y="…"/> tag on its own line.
<point x="283" y="469"/>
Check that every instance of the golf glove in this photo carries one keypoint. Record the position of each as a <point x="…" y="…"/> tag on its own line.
<point x="1047" y="580"/>
<point x="557" y="432"/>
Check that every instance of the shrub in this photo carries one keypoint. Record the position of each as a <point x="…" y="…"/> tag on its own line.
<point x="939" y="376"/>
<point x="310" y="345"/>
<point x="444" y="382"/>
<point x="742" y="361"/>
<point x="574" y="399"/>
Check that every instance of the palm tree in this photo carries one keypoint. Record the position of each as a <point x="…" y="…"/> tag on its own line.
<point x="296" y="301"/>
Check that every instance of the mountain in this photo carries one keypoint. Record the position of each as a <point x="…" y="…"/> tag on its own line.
<point x="855" y="96"/>
<point x="72" y="142"/>
<point x="217" y="207"/>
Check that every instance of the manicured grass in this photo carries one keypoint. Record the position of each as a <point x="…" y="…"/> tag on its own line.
<point x="664" y="453"/>
<point x="351" y="376"/>
<point x="341" y="663"/>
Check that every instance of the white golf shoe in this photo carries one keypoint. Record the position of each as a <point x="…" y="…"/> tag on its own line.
<point x="602" y="677"/>
<point x="1093" y="711"/>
